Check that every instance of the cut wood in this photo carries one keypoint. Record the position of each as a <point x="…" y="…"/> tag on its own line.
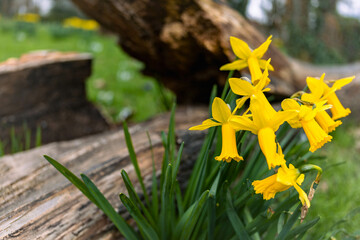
<point x="37" y="202"/>
<point x="47" y="90"/>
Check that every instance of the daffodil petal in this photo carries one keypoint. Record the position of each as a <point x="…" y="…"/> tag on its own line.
<point x="236" y="65"/>
<point x="302" y="196"/>
<point x="316" y="87"/>
<point x="240" y="48"/>
<point x="220" y="110"/>
<point x="205" y="125"/>
<point x="290" y="104"/>
<point x="242" y="123"/>
<point x="241" y="87"/>
<point x="261" y="50"/>
<point x="341" y="82"/>
<point x="282" y="116"/>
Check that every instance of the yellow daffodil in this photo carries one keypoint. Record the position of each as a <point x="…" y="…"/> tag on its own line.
<point x="248" y="58"/>
<point x="306" y="119"/>
<point x="265" y="122"/>
<point x="285" y="178"/>
<point x="320" y="89"/>
<point x="316" y="97"/>
<point x="221" y="116"/>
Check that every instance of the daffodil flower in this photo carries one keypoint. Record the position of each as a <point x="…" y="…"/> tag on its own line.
<point x="265" y="120"/>
<point x="316" y="97"/>
<point x="221" y="116"/>
<point x="319" y="89"/>
<point x="306" y="119"/>
<point x="285" y="178"/>
<point x="248" y="58"/>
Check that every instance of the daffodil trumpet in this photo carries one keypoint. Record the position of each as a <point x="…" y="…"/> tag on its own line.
<point x="285" y="178"/>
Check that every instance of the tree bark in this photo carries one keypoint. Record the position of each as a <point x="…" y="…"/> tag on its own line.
<point x="37" y="202"/>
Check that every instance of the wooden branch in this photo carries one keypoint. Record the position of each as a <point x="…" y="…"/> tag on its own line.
<point x="37" y="202"/>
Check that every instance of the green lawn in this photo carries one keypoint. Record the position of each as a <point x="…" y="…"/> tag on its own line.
<point x="116" y="85"/>
<point x="337" y="199"/>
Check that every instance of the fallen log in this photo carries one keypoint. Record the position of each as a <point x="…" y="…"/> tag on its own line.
<point x="183" y="44"/>
<point x="46" y="90"/>
<point x="37" y="202"/>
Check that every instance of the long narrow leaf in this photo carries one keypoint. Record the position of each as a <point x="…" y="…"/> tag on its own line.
<point x="154" y="184"/>
<point x="135" y="197"/>
<point x="235" y="221"/>
<point x="302" y="228"/>
<point x="118" y="221"/>
<point x="134" y="160"/>
<point x="73" y="179"/>
<point x="166" y="213"/>
<point x="289" y="224"/>
<point x="147" y="229"/>
<point x="187" y="223"/>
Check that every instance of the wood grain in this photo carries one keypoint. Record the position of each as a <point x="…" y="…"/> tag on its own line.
<point x="37" y="202"/>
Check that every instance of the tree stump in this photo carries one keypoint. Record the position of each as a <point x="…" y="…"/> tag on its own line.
<point x="37" y="202"/>
<point x="47" y="90"/>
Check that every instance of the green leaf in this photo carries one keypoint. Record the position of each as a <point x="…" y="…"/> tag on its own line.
<point x="235" y="221"/>
<point x="73" y="179"/>
<point x="135" y="197"/>
<point x="134" y="160"/>
<point x="171" y="135"/>
<point x="302" y="228"/>
<point x="166" y="213"/>
<point x="177" y="162"/>
<point x="154" y="184"/>
<point x="212" y="207"/>
<point x="147" y="229"/>
<point x="118" y="221"/>
<point x="190" y="218"/>
<point x="289" y="224"/>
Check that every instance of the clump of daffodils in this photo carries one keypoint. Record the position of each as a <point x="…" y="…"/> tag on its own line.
<point x="316" y="112"/>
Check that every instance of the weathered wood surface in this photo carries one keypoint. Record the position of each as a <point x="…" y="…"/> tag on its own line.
<point x="47" y="89"/>
<point x="37" y="202"/>
<point x="183" y="44"/>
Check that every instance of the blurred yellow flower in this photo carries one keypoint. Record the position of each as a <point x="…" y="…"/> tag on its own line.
<point x="28" y="17"/>
<point x="281" y="181"/>
<point x="221" y="116"/>
<point x="248" y="58"/>
<point x="75" y="22"/>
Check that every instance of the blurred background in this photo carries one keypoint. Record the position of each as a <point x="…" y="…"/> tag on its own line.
<point x="315" y="31"/>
